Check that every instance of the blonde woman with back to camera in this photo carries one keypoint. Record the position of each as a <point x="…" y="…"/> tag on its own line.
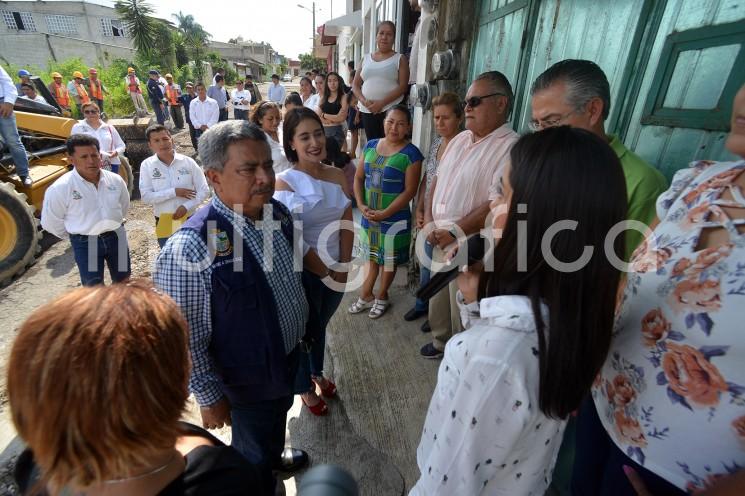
<point x="97" y="382"/>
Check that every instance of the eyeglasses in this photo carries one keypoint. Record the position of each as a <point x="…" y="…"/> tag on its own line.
<point x="90" y="111"/>
<point x="550" y="121"/>
<point x="475" y="101"/>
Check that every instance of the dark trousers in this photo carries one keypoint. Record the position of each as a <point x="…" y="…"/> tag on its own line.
<point x="598" y="463"/>
<point x="424" y="276"/>
<point x="193" y="136"/>
<point x="373" y="124"/>
<point x="223" y="115"/>
<point x="240" y="114"/>
<point x="160" y="113"/>
<point x="92" y="252"/>
<point x="322" y="302"/>
<point x="177" y="116"/>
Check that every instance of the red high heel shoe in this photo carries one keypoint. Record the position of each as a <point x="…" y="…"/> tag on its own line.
<point x="319" y="409"/>
<point x="329" y="391"/>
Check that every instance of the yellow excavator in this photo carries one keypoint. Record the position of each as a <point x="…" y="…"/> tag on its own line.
<point x="43" y="132"/>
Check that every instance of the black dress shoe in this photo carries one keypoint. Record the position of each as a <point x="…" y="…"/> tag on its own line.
<point x="425" y="327"/>
<point x="292" y="459"/>
<point x="414" y="314"/>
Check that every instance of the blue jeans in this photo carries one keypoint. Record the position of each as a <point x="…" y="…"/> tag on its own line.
<point x="424" y="275"/>
<point x="240" y="114"/>
<point x="92" y="251"/>
<point x="322" y="303"/>
<point x="9" y="135"/>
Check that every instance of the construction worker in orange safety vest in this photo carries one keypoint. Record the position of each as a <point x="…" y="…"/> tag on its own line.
<point x="77" y="91"/>
<point x="96" y="88"/>
<point x="173" y="92"/>
<point x="60" y="93"/>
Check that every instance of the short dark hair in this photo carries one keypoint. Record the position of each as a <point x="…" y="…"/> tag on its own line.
<point x="584" y="81"/>
<point x="315" y="72"/>
<point x="199" y="83"/>
<point x="386" y="23"/>
<point x="27" y="85"/>
<point x="500" y="83"/>
<point x="249" y="76"/>
<point x="76" y="140"/>
<point x="294" y="99"/>
<point x="274" y="76"/>
<point x="155" y="128"/>
<point x="574" y="338"/>
<point x="400" y="108"/>
<point x="350" y="65"/>
<point x="292" y="120"/>
<point x="219" y="78"/>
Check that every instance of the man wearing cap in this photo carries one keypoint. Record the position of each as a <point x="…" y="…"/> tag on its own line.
<point x="277" y="91"/>
<point x="186" y="99"/>
<point x="77" y="90"/>
<point x="9" y="129"/>
<point x="173" y="95"/>
<point x="96" y="89"/>
<point x="60" y="93"/>
<point x="25" y="78"/>
<point x="132" y="82"/>
<point x="155" y="94"/>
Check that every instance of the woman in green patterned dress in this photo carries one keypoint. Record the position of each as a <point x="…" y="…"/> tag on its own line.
<point x="385" y="182"/>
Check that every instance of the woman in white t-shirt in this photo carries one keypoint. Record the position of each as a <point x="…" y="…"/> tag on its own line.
<point x="109" y="141"/>
<point x="268" y="117"/>
<point x="307" y="94"/>
<point x="381" y="82"/>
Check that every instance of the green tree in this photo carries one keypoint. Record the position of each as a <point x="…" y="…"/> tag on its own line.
<point x="194" y="40"/>
<point x="308" y="62"/>
<point x="139" y="22"/>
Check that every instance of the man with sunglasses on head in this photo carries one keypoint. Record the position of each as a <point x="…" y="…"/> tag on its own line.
<point x="576" y="93"/>
<point x="467" y="180"/>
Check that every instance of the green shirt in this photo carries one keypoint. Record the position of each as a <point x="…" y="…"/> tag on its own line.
<point x="644" y="184"/>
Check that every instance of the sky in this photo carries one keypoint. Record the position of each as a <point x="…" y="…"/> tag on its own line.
<point x="280" y="23"/>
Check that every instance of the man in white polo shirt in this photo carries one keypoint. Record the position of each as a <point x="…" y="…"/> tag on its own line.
<point x="172" y="183"/>
<point x="88" y="205"/>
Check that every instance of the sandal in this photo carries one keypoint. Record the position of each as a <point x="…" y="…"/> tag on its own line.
<point x="378" y="308"/>
<point x="329" y="391"/>
<point x="319" y="409"/>
<point x="361" y="305"/>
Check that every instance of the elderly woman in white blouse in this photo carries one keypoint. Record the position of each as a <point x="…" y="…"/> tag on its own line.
<point x="109" y="141"/>
<point x="536" y="334"/>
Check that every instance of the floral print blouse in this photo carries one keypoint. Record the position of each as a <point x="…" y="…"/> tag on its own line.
<point x="672" y="391"/>
<point x="484" y="433"/>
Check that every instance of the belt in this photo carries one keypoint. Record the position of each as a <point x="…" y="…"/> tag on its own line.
<point x="106" y="234"/>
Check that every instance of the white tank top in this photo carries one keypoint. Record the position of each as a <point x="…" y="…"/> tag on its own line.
<point x="379" y="79"/>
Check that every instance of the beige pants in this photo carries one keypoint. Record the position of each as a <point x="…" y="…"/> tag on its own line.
<point x="138" y="100"/>
<point x="444" y="316"/>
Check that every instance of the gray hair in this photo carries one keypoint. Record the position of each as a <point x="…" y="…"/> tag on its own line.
<point x="584" y="81"/>
<point x="500" y="83"/>
<point x="213" y="144"/>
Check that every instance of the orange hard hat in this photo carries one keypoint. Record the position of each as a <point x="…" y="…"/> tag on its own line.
<point x="130" y="69"/>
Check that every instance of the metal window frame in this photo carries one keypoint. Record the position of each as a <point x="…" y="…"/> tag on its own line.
<point x="10" y="21"/>
<point x="61" y="24"/>
<point x="714" y="119"/>
<point x="28" y="20"/>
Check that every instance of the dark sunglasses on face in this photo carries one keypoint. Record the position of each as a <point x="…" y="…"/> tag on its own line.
<point x="475" y="101"/>
<point x="90" y="112"/>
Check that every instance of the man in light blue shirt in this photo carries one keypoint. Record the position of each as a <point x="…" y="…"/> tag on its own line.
<point x="217" y="92"/>
<point x="277" y="92"/>
<point x="9" y="129"/>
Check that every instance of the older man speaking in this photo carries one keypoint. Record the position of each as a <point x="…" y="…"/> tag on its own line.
<point x="467" y="180"/>
<point x="230" y="269"/>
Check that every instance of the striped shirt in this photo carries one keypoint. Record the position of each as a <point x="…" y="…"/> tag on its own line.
<point x="191" y="288"/>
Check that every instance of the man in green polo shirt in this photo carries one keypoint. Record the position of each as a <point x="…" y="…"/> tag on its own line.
<point x="576" y="93"/>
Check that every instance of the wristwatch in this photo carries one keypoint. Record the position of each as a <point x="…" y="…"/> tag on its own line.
<point x="453" y="232"/>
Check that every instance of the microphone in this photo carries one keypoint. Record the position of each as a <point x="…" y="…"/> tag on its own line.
<point x="476" y="247"/>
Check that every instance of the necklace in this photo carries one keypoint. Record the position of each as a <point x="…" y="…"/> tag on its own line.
<point x="142" y="476"/>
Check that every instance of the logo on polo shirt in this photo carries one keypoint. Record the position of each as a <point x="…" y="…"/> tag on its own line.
<point x="221" y="243"/>
<point x="76" y="195"/>
<point x="183" y="171"/>
<point x="156" y="173"/>
<point x="111" y="187"/>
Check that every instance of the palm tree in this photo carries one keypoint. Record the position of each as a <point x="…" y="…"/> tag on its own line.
<point x="137" y="17"/>
<point x="195" y="38"/>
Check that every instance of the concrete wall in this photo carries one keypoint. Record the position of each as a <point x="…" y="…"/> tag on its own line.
<point x="36" y="47"/>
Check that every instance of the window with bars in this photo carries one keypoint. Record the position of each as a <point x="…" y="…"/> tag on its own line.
<point x="113" y="27"/>
<point x="61" y="24"/>
<point x="20" y="21"/>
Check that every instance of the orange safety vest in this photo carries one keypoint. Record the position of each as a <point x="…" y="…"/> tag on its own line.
<point x="82" y="94"/>
<point x="61" y="95"/>
<point x="172" y="95"/>
<point x="133" y="86"/>
<point x="96" y="89"/>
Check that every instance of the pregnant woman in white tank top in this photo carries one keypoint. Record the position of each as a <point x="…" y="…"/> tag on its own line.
<point x="381" y="82"/>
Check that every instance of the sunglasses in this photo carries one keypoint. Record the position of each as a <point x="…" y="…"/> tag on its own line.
<point x="90" y="111"/>
<point x="475" y="101"/>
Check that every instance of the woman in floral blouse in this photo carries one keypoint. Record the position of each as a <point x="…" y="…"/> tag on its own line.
<point x="671" y="395"/>
<point x="538" y="335"/>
